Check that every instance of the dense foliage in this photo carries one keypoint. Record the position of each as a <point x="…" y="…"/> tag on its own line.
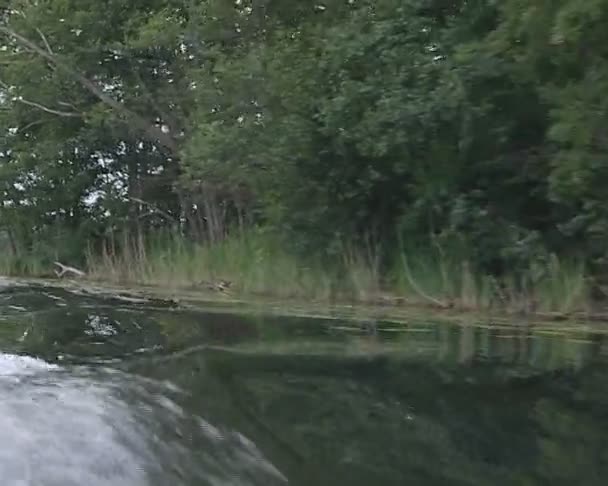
<point x="469" y="124"/>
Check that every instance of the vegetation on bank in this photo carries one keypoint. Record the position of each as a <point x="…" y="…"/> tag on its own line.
<point x="255" y="264"/>
<point x="445" y="152"/>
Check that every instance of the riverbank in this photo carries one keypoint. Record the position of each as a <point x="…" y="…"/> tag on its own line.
<point x="397" y="312"/>
<point x="256" y="268"/>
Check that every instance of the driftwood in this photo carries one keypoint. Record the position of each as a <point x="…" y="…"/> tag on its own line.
<point x="219" y="286"/>
<point x="64" y="270"/>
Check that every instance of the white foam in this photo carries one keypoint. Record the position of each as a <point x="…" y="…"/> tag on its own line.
<point x="99" y="427"/>
<point x="15" y="365"/>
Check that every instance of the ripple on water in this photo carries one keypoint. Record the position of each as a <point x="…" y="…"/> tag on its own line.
<point x="69" y="427"/>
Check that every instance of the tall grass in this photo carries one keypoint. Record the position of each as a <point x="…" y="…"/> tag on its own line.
<point x="25" y="265"/>
<point x="441" y="282"/>
<point x="36" y="257"/>
<point x="449" y="281"/>
<point x="256" y="263"/>
<point x="250" y="264"/>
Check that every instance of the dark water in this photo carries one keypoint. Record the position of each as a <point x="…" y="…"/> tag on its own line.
<point x="102" y="392"/>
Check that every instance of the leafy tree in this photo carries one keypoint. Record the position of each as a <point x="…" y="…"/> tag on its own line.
<point x="470" y="124"/>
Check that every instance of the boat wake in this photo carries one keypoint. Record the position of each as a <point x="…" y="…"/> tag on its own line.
<point x="69" y="427"/>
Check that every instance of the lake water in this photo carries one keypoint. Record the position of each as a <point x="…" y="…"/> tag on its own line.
<point x="99" y="391"/>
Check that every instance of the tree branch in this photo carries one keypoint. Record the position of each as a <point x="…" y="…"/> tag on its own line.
<point x="30" y="125"/>
<point x="149" y="129"/>
<point x="46" y="42"/>
<point x="69" y="105"/>
<point x="417" y="288"/>
<point x="66" y="269"/>
<point x="67" y="114"/>
<point x="22" y="100"/>
<point x="155" y="209"/>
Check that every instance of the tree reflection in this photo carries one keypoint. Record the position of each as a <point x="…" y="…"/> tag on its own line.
<point x="330" y="403"/>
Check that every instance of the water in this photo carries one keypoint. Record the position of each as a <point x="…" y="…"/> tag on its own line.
<point x="100" y="391"/>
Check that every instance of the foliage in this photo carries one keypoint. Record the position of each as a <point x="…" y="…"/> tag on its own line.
<point x="472" y="127"/>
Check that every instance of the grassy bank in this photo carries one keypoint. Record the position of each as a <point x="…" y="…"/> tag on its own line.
<point x="257" y="265"/>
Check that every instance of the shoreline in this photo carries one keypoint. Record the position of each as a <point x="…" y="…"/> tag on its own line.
<point x="382" y="308"/>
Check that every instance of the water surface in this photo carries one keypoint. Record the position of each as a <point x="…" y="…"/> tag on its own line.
<point x="101" y="391"/>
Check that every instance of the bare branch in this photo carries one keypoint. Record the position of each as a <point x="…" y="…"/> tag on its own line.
<point x="30" y="125"/>
<point x="52" y="111"/>
<point x="69" y="105"/>
<point x="46" y="42"/>
<point x="66" y="269"/>
<point x="417" y="288"/>
<point x="154" y="208"/>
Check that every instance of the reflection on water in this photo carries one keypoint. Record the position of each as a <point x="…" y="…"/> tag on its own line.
<point x="103" y="392"/>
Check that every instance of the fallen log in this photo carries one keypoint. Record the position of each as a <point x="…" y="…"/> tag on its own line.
<point x="64" y="270"/>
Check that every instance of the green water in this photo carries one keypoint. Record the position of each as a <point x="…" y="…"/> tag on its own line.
<point x="100" y="391"/>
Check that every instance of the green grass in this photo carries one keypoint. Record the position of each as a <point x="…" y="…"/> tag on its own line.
<point x="440" y="280"/>
<point x="252" y="264"/>
<point x="256" y="264"/>
<point x="37" y="257"/>
<point x="448" y="281"/>
<point x="28" y="265"/>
